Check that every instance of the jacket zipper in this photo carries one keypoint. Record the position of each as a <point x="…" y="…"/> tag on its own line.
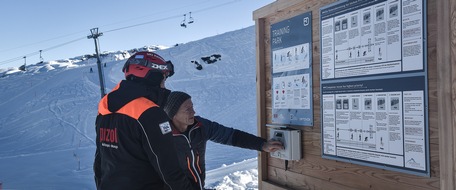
<point x="191" y="171"/>
<point x="197" y="153"/>
<point x="197" y="163"/>
<point x="193" y="158"/>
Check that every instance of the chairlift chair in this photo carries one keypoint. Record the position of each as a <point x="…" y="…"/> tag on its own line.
<point x="190" y="19"/>
<point x="183" y="22"/>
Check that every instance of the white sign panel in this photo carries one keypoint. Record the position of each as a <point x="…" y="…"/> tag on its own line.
<point x="371" y="40"/>
<point x="291" y="47"/>
<point x="374" y="84"/>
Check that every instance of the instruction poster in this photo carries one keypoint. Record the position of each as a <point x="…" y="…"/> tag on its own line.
<point x="291" y="47"/>
<point x="374" y="84"/>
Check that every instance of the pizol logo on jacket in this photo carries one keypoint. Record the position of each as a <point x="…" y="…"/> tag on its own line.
<point x="108" y="137"/>
<point x="165" y="127"/>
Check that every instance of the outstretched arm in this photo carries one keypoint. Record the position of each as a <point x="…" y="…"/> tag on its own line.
<point x="226" y="135"/>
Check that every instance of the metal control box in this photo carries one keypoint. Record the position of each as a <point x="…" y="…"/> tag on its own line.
<point x="291" y="140"/>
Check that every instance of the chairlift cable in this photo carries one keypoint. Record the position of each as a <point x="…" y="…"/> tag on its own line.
<point x="171" y="17"/>
<point x="26" y="45"/>
<point x="17" y="58"/>
<point x="37" y="52"/>
<point x="144" y="23"/>
<point x="83" y="31"/>
<point x="62" y="44"/>
<point x="112" y="30"/>
<point x="158" y="13"/>
<point x="215" y="6"/>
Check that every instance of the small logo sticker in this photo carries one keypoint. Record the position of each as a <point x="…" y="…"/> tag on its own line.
<point x="306" y="21"/>
<point x="165" y="127"/>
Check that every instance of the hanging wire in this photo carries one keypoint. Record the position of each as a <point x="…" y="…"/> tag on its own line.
<point x="216" y="6"/>
<point x="37" y="52"/>
<point x="172" y="17"/>
<point x="140" y="24"/>
<point x="26" y="45"/>
<point x="63" y="44"/>
<point x="112" y="30"/>
<point x="159" y="12"/>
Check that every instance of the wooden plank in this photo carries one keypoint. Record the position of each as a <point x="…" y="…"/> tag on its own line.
<point x="352" y="175"/>
<point x="311" y="143"/>
<point x="260" y="55"/>
<point x="271" y="186"/>
<point x="446" y="110"/>
<point x="435" y="161"/>
<point x="327" y="165"/>
<point x="274" y="8"/>
<point x="432" y="26"/>
<point x="297" y="181"/>
<point x="292" y="180"/>
<point x="452" y="138"/>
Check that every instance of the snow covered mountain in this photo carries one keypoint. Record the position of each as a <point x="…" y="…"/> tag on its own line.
<point x="47" y="113"/>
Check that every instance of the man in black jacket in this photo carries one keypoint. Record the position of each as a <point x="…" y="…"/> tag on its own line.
<point x="135" y="149"/>
<point x="192" y="132"/>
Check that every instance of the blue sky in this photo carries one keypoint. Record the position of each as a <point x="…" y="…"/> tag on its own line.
<point x="60" y="28"/>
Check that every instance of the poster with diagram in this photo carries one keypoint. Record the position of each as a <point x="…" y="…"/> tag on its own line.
<point x="291" y="55"/>
<point x="374" y="97"/>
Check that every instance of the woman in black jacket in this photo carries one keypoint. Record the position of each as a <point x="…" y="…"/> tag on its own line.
<point x="191" y="134"/>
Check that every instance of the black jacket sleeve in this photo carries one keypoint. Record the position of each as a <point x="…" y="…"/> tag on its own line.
<point x="97" y="162"/>
<point x="158" y="143"/>
<point x="229" y="136"/>
<point x="246" y="140"/>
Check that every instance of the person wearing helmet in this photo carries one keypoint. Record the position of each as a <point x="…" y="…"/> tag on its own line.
<point x="191" y="134"/>
<point x="135" y="149"/>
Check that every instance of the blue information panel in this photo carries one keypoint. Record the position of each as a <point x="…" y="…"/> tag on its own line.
<point x="374" y="90"/>
<point x="291" y="47"/>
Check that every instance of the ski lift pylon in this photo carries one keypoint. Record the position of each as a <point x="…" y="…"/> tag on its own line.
<point x="22" y="67"/>
<point x="183" y="22"/>
<point x="41" y="58"/>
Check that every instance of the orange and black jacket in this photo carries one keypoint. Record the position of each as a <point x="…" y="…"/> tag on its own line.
<point x="191" y="145"/>
<point x="135" y="148"/>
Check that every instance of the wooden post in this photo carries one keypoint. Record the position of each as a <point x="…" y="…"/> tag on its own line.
<point x="261" y="97"/>
<point x="446" y="95"/>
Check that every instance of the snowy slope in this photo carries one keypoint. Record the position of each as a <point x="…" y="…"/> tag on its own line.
<point x="47" y="113"/>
